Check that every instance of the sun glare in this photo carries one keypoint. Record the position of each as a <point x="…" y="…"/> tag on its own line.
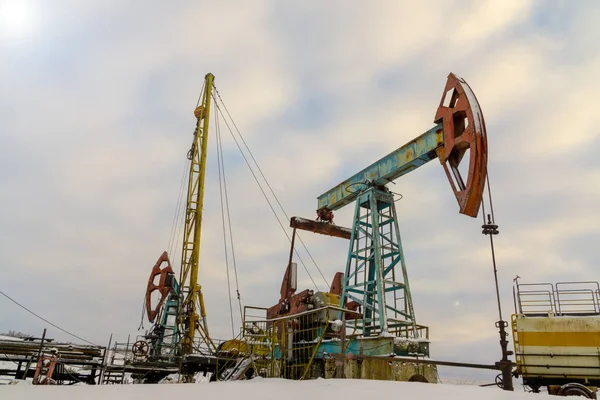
<point x="16" y="19"/>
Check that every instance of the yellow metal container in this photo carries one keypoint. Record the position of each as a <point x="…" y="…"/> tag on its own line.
<point x="557" y="346"/>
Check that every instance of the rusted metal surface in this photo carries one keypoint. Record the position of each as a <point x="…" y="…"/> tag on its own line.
<point x="426" y="361"/>
<point x="336" y="289"/>
<point x="337" y="283"/>
<point x="322" y="227"/>
<point x="324" y="214"/>
<point x="292" y="305"/>
<point x="290" y="302"/>
<point x="45" y="368"/>
<point x="140" y="348"/>
<point x="464" y="130"/>
<point x="163" y="286"/>
<point x="288" y="284"/>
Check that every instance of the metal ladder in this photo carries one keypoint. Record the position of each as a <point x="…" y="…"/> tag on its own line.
<point x="114" y="374"/>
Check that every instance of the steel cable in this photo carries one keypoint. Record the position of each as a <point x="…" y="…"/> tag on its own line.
<point x="177" y="220"/>
<point x="237" y="284"/>
<point x="268" y="185"/>
<point x="221" y="184"/>
<point x="141" y="326"/>
<point x="264" y="194"/>
<point x="267" y="182"/>
<point x="45" y="320"/>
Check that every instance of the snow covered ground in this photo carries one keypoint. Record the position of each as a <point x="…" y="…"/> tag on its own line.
<point x="267" y="389"/>
<point x="11" y="338"/>
<point x="264" y="389"/>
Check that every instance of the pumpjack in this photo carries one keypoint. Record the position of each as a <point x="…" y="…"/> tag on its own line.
<point x="370" y="306"/>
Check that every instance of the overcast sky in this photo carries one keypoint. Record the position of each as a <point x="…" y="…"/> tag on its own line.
<point x="96" y="111"/>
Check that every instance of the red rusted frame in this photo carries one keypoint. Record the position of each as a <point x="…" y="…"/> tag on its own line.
<point x="464" y="129"/>
<point x="336" y="288"/>
<point x="322" y="227"/>
<point x="287" y="289"/>
<point x="325" y="215"/>
<point x="291" y="305"/>
<point x="45" y="368"/>
<point x="163" y="286"/>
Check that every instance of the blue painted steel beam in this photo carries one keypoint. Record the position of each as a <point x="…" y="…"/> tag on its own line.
<point x="399" y="162"/>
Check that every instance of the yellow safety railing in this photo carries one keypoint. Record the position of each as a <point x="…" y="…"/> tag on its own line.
<point x="515" y="335"/>
<point x="286" y="347"/>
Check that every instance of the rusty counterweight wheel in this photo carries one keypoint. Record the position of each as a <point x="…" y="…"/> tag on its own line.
<point x="140" y="348"/>
<point x="464" y="137"/>
<point x="163" y="286"/>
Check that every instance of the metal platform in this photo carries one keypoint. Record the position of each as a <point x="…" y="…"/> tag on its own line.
<point x="76" y="364"/>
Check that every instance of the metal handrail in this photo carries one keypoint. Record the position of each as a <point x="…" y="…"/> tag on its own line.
<point x="584" y="294"/>
<point x="541" y="292"/>
<point x="564" y="298"/>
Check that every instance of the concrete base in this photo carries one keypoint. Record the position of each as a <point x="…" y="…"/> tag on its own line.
<point x="380" y="369"/>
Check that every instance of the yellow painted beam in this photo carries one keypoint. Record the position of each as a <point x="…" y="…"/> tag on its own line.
<point x="559" y="339"/>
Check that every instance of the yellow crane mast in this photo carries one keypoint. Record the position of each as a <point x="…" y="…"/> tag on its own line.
<point x="192" y="312"/>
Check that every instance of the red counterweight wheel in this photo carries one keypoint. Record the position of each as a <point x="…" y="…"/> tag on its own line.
<point x="162" y="286"/>
<point x="464" y="130"/>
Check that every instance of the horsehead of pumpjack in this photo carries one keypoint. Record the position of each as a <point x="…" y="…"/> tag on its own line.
<point x="464" y="130"/>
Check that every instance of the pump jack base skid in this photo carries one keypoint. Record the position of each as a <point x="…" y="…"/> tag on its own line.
<point x="154" y="371"/>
